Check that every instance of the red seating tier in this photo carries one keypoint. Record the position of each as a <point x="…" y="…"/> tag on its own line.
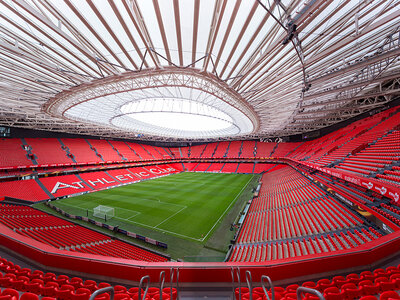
<point x="12" y="154"/>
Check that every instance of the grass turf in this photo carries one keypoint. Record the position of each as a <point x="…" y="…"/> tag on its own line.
<point x="189" y="206"/>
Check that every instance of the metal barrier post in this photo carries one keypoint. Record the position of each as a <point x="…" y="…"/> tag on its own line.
<point x="145" y="279"/>
<point x="249" y="281"/>
<point x="263" y="278"/>
<point x="102" y="291"/>
<point x="303" y="289"/>
<point x="162" y="280"/>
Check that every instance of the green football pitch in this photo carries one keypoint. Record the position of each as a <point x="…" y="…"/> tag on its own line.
<point x="186" y="205"/>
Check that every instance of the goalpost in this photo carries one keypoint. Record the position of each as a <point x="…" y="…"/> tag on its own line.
<point x="103" y="212"/>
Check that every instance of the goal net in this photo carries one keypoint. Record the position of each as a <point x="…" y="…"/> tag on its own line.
<point x="103" y="212"/>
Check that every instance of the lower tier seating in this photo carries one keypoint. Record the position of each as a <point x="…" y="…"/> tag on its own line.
<point x="301" y="247"/>
<point x="66" y="235"/>
<point x="292" y="216"/>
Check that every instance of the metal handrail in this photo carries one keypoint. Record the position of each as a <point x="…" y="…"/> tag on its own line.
<point x="237" y="272"/>
<point x="102" y="291"/>
<point x="172" y="282"/>
<point x="249" y="281"/>
<point x="303" y="289"/>
<point x="263" y="278"/>
<point x="145" y="279"/>
<point x="162" y="280"/>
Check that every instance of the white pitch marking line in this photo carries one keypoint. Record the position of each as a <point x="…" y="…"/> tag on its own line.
<point x="170" y="216"/>
<point x="227" y="209"/>
<point x="163" y="230"/>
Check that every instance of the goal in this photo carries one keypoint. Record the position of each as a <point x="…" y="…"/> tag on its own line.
<point x="103" y="212"/>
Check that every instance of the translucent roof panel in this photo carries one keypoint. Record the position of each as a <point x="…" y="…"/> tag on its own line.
<point x="295" y="65"/>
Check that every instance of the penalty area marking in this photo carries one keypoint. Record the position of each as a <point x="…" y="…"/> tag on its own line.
<point x="170" y="216"/>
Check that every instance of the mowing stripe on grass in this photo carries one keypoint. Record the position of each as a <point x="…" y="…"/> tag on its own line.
<point x="188" y="205"/>
<point x="223" y="214"/>
<point x="170" y="216"/>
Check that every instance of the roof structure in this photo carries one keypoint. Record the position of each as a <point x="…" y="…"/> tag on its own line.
<point x="251" y="68"/>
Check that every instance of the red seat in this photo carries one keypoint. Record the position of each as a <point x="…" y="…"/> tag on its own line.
<point x="50" y="289"/>
<point x="174" y="292"/>
<point x="19" y="283"/>
<point x="76" y="282"/>
<point x="350" y="291"/>
<point x="90" y="285"/>
<point x="384" y="284"/>
<point x="368" y="288"/>
<point x="34" y="286"/>
<point x="389" y="295"/>
<point x="339" y="281"/>
<point x="29" y="296"/>
<point x="380" y="273"/>
<point x="65" y="292"/>
<point x="119" y="289"/>
<point x="392" y="270"/>
<point x="49" y="277"/>
<point x="246" y="296"/>
<point x="125" y="296"/>
<point x="10" y="292"/>
<point x="62" y="279"/>
<point x="37" y="274"/>
<point x="81" y="294"/>
<point x="353" y="278"/>
<point x="332" y="293"/>
<point x="367" y="275"/>
<point x="103" y="285"/>
<point x="243" y="290"/>
<point x="395" y="278"/>
<point x="369" y="297"/>
<point x="6" y="280"/>
<point x="309" y="284"/>
<point x="290" y="296"/>
<point x="292" y="288"/>
<point x="323" y="284"/>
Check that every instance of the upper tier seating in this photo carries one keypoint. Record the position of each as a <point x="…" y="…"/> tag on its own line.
<point x="12" y="154"/>
<point x="176" y="153"/>
<point x="124" y="149"/>
<point x="221" y="150"/>
<point x="264" y="149"/>
<point x="366" y="132"/>
<point x="234" y="149"/>
<point x="248" y="149"/>
<point x="157" y="152"/>
<point x="284" y="149"/>
<point x="196" y="151"/>
<point x="209" y="150"/>
<point x="48" y="151"/>
<point x="105" y="149"/>
<point x="375" y="156"/>
<point x="185" y="151"/>
<point x="81" y="151"/>
<point x="140" y="151"/>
